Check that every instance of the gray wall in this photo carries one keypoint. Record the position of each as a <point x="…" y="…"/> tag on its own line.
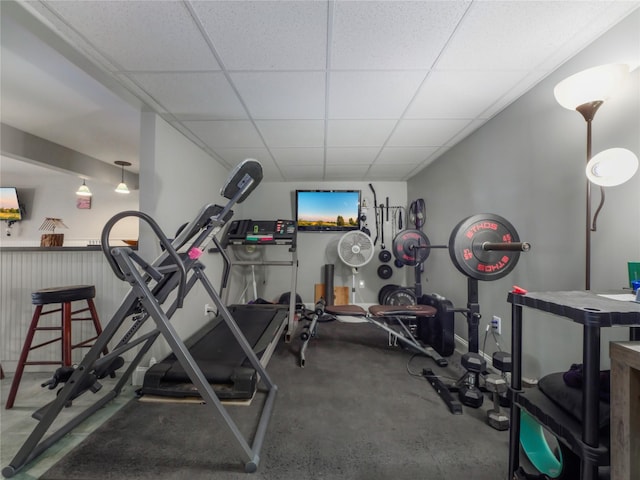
<point x="527" y="164"/>
<point x="273" y="200"/>
<point x="176" y="180"/>
<point x="48" y="193"/>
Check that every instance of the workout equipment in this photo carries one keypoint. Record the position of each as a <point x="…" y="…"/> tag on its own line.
<point x="222" y="361"/>
<point x="355" y="249"/>
<point x="309" y="331"/>
<point x="482" y="247"/>
<point x="249" y="233"/>
<point x="168" y="280"/>
<point x="385" y="272"/>
<point x="396" y="295"/>
<point x="556" y="463"/>
<point x="495" y="417"/>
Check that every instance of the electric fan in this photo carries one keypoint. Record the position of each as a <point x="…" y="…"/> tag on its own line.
<point x="355" y="249"/>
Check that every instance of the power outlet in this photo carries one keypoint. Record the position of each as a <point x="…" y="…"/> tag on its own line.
<point x="496" y="324"/>
<point x="207" y="309"/>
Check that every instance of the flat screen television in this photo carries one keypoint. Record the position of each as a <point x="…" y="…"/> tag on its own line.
<point x="9" y="204"/>
<point x="327" y="210"/>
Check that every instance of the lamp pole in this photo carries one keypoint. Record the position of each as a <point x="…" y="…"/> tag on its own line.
<point x="588" y="111"/>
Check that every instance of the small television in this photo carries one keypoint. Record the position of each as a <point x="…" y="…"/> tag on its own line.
<point x="9" y="205"/>
<point x="327" y="210"/>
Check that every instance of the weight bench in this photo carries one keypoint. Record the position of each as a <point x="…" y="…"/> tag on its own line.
<point x="383" y="316"/>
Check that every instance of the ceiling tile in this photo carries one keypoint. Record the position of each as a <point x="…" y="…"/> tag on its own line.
<point x="474" y="92"/>
<point x="425" y="133"/>
<point x="351" y="155"/>
<point x="304" y="173"/>
<point x="279" y="95"/>
<point x="351" y="133"/>
<point x="267" y="35"/>
<point x="236" y="155"/>
<point x="286" y="157"/>
<point x="404" y="155"/>
<point x="192" y="95"/>
<point x="391" y="172"/>
<point x="371" y="95"/>
<point x="140" y="35"/>
<point x="220" y="134"/>
<point x="504" y="35"/>
<point x="346" y="172"/>
<point x="292" y="133"/>
<point x="395" y="35"/>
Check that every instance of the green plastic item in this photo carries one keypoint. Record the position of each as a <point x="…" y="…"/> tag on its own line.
<point x="536" y="447"/>
<point x="634" y="272"/>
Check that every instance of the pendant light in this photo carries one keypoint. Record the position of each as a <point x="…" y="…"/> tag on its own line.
<point x="122" y="187"/>
<point x="83" y="190"/>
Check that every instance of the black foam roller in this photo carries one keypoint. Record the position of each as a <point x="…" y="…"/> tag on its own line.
<point x="328" y="283"/>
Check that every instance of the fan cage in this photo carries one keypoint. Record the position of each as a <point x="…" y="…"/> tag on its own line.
<point x="355" y="249"/>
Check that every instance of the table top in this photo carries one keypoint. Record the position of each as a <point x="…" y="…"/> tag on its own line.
<point x="583" y="306"/>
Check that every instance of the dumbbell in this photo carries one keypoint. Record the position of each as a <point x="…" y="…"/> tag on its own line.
<point x="469" y="394"/>
<point x="495" y="417"/>
<point x="501" y="361"/>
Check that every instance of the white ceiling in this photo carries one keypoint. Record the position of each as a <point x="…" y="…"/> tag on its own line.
<point x="316" y="90"/>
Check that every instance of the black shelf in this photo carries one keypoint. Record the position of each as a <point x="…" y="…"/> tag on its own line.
<point x="593" y="311"/>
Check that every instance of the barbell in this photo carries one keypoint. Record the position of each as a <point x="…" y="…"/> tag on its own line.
<point x="484" y="246"/>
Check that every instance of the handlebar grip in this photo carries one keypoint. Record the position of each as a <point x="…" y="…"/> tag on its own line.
<point x="509" y="246"/>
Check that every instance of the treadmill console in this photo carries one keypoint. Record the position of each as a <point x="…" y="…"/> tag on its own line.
<point x="263" y="232"/>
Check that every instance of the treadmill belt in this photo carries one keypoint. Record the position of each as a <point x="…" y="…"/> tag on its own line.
<point x="219" y="356"/>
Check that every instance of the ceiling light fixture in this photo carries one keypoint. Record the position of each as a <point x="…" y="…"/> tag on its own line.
<point x="83" y="190"/>
<point x="585" y="92"/>
<point x="122" y="187"/>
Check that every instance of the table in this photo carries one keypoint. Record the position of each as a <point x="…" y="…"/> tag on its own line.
<point x="625" y="410"/>
<point x="593" y="311"/>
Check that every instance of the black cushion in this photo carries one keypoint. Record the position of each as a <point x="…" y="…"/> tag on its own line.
<point x="63" y="294"/>
<point x="570" y="399"/>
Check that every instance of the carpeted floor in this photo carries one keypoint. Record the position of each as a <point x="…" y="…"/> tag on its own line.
<point x="353" y="412"/>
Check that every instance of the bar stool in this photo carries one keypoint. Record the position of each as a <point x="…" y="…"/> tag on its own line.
<point x="64" y="296"/>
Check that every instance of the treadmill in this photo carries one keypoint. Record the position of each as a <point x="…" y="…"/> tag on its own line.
<point x="222" y="361"/>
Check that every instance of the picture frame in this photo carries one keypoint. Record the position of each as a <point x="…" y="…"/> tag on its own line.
<point x="83" y="203"/>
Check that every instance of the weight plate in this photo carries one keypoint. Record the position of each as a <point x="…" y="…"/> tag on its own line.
<point x="385" y="272"/>
<point x="408" y="247"/>
<point x="384" y="292"/>
<point x="401" y="296"/>
<point x="384" y="256"/>
<point x="467" y="254"/>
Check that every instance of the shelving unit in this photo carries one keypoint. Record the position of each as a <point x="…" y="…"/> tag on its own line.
<point x="593" y="311"/>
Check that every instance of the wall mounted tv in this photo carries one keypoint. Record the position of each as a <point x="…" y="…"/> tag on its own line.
<point x="327" y="210"/>
<point x="9" y="205"/>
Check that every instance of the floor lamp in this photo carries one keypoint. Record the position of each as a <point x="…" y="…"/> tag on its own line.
<point x="585" y="92"/>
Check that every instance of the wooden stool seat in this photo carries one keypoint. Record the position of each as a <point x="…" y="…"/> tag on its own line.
<point x="64" y="296"/>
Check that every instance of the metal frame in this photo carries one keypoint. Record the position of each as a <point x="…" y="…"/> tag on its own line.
<point x="149" y="290"/>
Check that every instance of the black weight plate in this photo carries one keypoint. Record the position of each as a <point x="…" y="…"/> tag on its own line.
<point x="384" y="291"/>
<point x="385" y="272"/>
<point x="465" y="247"/>
<point x="398" y="263"/>
<point x="384" y="256"/>
<point x="401" y="296"/>
<point x="407" y="247"/>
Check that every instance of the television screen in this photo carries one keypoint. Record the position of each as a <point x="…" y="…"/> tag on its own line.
<point x="327" y="210"/>
<point x="9" y="206"/>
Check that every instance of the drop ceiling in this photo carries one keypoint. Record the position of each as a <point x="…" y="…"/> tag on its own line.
<point x="316" y="90"/>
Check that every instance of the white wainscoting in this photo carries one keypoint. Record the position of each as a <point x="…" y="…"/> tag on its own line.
<point x="24" y="271"/>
